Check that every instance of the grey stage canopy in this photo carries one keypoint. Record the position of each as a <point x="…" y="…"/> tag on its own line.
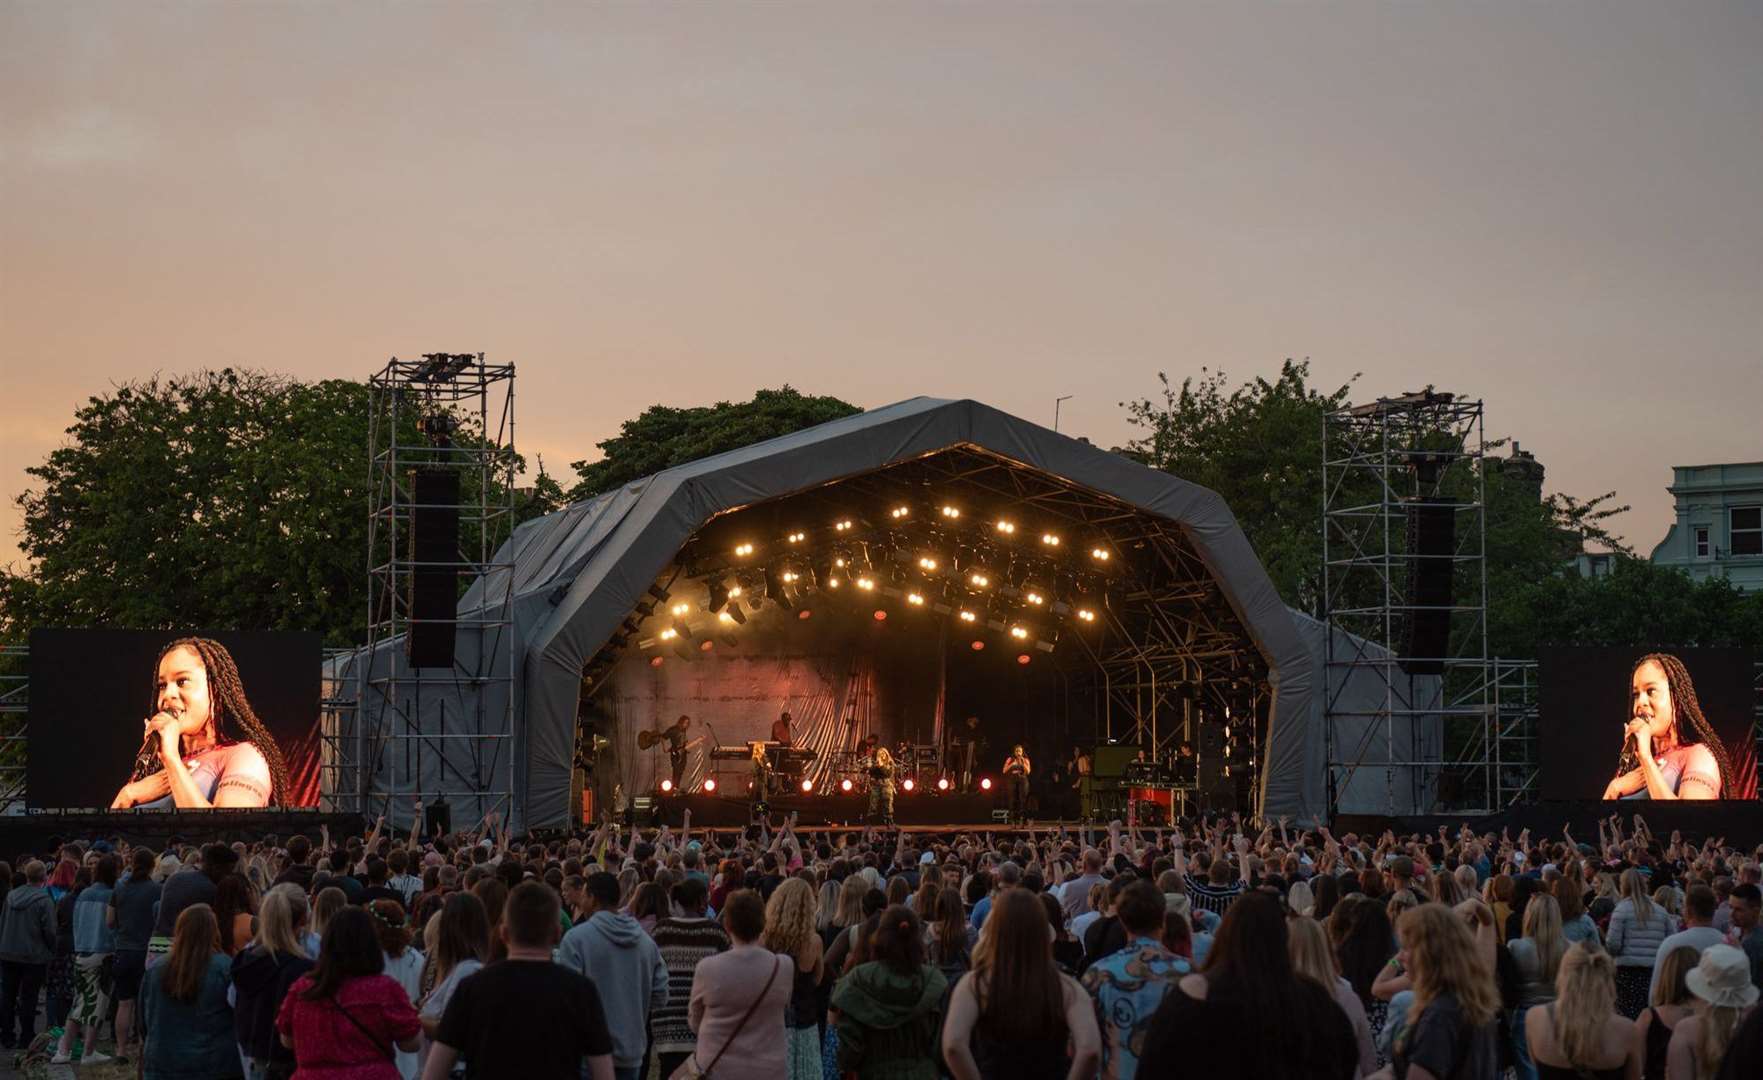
<point x="581" y="573"/>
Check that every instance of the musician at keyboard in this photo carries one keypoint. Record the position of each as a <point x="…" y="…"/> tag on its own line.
<point x="780" y="731"/>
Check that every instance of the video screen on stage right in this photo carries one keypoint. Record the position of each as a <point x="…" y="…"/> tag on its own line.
<point x="1625" y="723"/>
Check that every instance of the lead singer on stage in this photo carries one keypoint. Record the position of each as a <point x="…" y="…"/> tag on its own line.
<point x="203" y="746"/>
<point x="881" y="786"/>
<point x="1016" y="770"/>
<point x="1670" y="751"/>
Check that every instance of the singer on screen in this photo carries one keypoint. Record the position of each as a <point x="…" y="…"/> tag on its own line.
<point x="203" y="746"/>
<point x="1670" y="751"/>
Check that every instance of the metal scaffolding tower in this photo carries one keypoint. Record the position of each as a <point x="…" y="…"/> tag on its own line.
<point x="1404" y="573"/>
<point x="394" y="732"/>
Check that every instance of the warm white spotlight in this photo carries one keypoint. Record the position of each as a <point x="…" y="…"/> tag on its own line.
<point x="1019" y="633"/>
<point x="942" y="783"/>
<point x="927" y="563"/>
<point x="1099" y="554"/>
<point x="985" y="783"/>
<point x="968" y="616"/>
<point x="899" y="512"/>
<point x="908" y="784"/>
<point x="843" y="526"/>
<point x="743" y="550"/>
<point x="807" y="786"/>
<point x="681" y="609"/>
<point x="978" y="581"/>
<point x="1006" y="527"/>
<point x="1086" y="614"/>
<point x="666" y="786"/>
<point x="914" y="599"/>
<point x="866" y="583"/>
<point x="734" y="591"/>
<point x="725" y="618"/>
<point x="1034" y="598"/>
<point x="789" y="575"/>
<point x="709" y="784"/>
<point x="797" y="537"/>
<point x="845" y="786"/>
<point x="951" y="512"/>
<point x="669" y="634"/>
<point x="1050" y="539"/>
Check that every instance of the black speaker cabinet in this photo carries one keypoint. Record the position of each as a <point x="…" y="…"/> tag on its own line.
<point x="434" y="581"/>
<point x="1432" y="540"/>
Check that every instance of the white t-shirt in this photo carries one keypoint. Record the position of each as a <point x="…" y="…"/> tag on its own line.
<point x="407" y="970"/>
<point x="436" y="1004"/>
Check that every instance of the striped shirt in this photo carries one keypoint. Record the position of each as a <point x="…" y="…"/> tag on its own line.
<point x="683" y="942"/>
<point x="1214" y="898"/>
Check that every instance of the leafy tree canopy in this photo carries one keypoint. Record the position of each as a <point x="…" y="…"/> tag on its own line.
<point x="664" y="436"/>
<point x="224" y="499"/>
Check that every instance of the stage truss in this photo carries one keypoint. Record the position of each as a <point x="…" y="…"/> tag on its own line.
<point x="15" y="708"/>
<point x="1164" y="654"/>
<point x="1384" y="463"/>
<point x="454" y="412"/>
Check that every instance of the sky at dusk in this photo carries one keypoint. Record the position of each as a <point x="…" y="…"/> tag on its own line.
<point x="1554" y="206"/>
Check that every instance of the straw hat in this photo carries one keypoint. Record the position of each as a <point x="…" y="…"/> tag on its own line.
<point x="1723" y="978"/>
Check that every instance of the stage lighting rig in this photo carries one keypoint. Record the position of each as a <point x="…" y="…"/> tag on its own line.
<point x="438" y="427"/>
<point x="718" y="590"/>
<point x="775" y="589"/>
<point x="1005" y="527"/>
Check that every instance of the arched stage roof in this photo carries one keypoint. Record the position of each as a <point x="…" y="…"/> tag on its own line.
<point x="581" y="572"/>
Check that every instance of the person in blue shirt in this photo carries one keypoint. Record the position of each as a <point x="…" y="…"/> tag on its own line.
<point x="1129" y="985"/>
<point x="93" y="942"/>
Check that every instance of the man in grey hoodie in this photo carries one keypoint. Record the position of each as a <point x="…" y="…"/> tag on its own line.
<point x="27" y="944"/>
<point x="611" y="948"/>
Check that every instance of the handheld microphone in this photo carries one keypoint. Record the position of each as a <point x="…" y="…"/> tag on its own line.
<point x="147" y="758"/>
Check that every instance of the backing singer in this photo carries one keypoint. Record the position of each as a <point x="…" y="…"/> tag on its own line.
<point x="212" y="750"/>
<point x="1663" y="758"/>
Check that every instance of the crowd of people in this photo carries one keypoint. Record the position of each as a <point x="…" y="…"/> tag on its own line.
<point x="1218" y="948"/>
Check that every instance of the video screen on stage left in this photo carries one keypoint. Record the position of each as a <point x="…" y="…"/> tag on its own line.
<point x="1635" y="724"/>
<point x="172" y="720"/>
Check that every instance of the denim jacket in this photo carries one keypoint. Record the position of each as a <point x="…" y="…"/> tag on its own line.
<point x="90" y="932"/>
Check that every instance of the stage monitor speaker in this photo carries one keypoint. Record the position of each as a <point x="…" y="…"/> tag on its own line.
<point x="1111" y="761"/>
<point x="1432" y="540"/>
<point x="434" y="582"/>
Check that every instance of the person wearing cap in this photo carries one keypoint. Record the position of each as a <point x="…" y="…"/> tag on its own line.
<point x="1722" y="986"/>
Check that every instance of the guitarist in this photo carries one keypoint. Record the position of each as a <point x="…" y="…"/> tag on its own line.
<point x="678" y="746"/>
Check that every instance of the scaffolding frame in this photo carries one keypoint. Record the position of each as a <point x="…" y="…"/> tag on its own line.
<point x="1380" y="461"/>
<point x="450" y="411"/>
<point x="15" y="711"/>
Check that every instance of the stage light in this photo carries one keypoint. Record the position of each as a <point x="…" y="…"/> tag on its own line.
<point x="907" y="784"/>
<point x="1099" y="554"/>
<point x="978" y="581"/>
<point x="968" y="616"/>
<point x="839" y="562"/>
<point x="1034" y="598"/>
<point x="1023" y="658"/>
<point x="867" y="584"/>
<point x="725" y="618"/>
<point x="899" y="512"/>
<point x="807" y="786"/>
<point x="915" y="599"/>
<point x="845" y="786"/>
<point x="832" y="582"/>
<point x="790" y="575"/>
<point x="1006" y="527"/>
<point x="1050" y="539"/>
<point x="656" y="661"/>
<point x="666" y="786"/>
<point x="979" y="646"/>
<point x="1019" y="633"/>
<point x="775" y="590"/>
<point x="734" y="614"/>
<point x="805" y="613"/>
<point x="681" y="609"/>
<point x="1086" y="614"/>
<point x="843" y="526"/>
<point x="796" y="537"/>
<point x="734" y="591"/>
<point x="942" y="783"/>
<point x="706" y="645"/>
<point x="718" y="596"/>
<point x="880" y="615"/>
<point x="669" y="634"/>
<point x="743" y="550"/>
<point x="927" y="564"/>
<point x="709" y="784"/>
<point x="950" y="512"/>
<point x="985" y="783"/>
<point x="680" y="627"/>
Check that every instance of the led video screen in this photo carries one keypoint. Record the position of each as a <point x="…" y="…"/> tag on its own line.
<point x="161" y="720"/>
<point x="1631" y="723"/>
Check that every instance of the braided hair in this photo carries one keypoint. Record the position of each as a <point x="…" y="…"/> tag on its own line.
<point x="1685" y="706"/>
<point x="229" y="708"/>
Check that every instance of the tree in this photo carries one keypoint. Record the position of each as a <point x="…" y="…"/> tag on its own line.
<point x="664" y="436"/>
<point x="1260" y="447"/>
<point x="219" y="500"/>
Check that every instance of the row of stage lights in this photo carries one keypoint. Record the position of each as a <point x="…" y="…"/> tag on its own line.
<point x="853" y="563"/>
<point x="846" y="786"/>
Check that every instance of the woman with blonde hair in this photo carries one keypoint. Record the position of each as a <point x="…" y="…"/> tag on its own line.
<point x="1672" y="1001"/>
<point x="1637" y="928"/>
<point x="1299" y="899"/>
<point x="1312" y="956"/>
<point x="1446" y="891"/>
<point x="1449" y="1030"/>
<point x="1480" y="920"/>
<point x="262" y="974"/>
<point x="1721" y="983"/>
<point x="789" y="931"/>
<point x="1580" y="1034"/>
<point x="325" y="906"/>
<point x="1537" y="956"/>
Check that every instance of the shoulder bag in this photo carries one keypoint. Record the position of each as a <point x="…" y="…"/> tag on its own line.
<point x="690" y="1070"/>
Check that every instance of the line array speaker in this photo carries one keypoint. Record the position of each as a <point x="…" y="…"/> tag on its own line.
<point x="434" y="582"/>
<point x="1432" y="540"/>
